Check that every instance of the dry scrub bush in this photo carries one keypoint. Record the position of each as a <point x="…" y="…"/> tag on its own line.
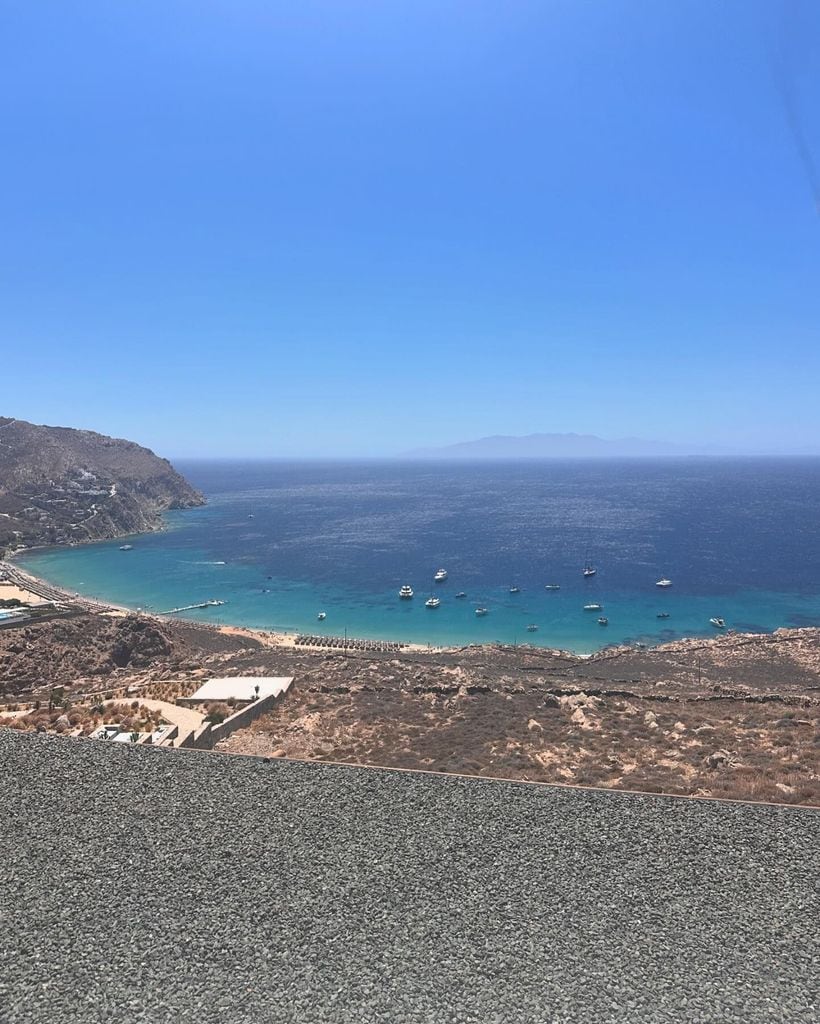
<point x="216" y="713"/>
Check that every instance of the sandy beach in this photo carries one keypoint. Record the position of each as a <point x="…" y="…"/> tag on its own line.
<point x="18" y="579"/>
<point x="12" y="592"/>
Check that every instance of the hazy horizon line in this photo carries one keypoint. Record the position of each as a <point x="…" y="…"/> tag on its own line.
<point x="464" y="459"/>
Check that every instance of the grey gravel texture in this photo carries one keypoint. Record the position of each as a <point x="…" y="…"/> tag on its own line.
<point x="148" y="885"/>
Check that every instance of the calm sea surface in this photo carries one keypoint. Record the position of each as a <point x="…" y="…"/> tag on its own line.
<point x="280" y="542"/>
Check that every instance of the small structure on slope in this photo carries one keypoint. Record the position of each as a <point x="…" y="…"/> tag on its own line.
<point x="238" y="689"/>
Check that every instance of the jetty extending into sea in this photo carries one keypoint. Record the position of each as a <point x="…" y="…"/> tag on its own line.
<point x="191" y="607"/>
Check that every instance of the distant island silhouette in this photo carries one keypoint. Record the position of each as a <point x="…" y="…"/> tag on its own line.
<point x="535" y="446"/>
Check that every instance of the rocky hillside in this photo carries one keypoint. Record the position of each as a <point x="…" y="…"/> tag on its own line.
<point x="89" y="651"/>
<point x="64" y="486"/>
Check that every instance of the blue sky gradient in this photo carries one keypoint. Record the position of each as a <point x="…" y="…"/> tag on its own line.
<point x="330" y="228"/>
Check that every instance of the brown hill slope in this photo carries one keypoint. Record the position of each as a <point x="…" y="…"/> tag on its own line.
<point x="64" y="486"/>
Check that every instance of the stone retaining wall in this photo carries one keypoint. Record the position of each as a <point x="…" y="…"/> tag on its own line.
<point x="206" y="737"/>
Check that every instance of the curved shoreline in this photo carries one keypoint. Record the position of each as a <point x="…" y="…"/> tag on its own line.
<point x="287" y="638"/>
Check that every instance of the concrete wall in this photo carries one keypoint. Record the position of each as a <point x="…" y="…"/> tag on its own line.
<point x="244" y="716"/>
<point x="199" y="739"/>
<point x="206" y="737"/>
<point x="168" y="739"/>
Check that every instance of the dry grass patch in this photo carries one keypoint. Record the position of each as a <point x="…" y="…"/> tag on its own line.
<point x="711" y="748"/>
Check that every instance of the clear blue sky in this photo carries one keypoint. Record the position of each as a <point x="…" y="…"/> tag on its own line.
<point x="250" y="227"/>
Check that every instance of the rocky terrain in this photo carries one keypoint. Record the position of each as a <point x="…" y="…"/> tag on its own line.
<point x="733" y="716"/>
<point x="64" y="486"/>
<point x="87" y="652"/>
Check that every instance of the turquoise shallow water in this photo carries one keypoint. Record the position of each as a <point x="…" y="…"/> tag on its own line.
<point x="279" y="542"/>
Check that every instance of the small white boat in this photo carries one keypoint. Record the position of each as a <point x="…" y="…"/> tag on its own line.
<point x="593" y="607"/>
<point x="250" y="515"/>
<point x="440" y="576"/>
<point x="603" y="620"/>
<point x="662" y="615"/>
<point x="321" y="616"/>
<point x="461" y="593"/>
<point x="664" y="583"/>
<point x="553" y="586"/>
<point x="481" y="611"/>
<point x="589" y="569"/>
<point x="126" y="547"/>
<point x="717" y="623"/>
<point x="515" y="590"/>
<point x="432" y="602"/>
<point x="406" y="592"/>
<point x="532" y="628"/>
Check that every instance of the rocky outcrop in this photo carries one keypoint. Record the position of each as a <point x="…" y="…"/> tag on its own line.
<point x="90" y="646"/>
<point x="64" y="486"/>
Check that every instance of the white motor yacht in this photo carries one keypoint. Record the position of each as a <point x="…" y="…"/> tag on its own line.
<point x="440" y="576"/>
<point x="717" y="623"/>
<point x="593" y="607"/>
<point x="406" y="592"/>
<point x="481" y="611"/>
<point x="433" y="602"/>
<point x="664" y="583"/>
<point x="321" y="616"/>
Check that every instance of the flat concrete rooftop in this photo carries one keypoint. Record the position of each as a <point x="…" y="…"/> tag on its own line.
<point x="150" y="885"/>
<point x="241" y="688"/>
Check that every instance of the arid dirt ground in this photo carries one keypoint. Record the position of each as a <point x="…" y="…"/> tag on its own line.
<point x="733" y="716"/>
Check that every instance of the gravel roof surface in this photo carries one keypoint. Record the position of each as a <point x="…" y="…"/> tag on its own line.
<point x="140" y="884"/>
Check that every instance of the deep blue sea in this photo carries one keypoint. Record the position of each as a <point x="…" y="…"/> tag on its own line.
<point x="737" y="538"/>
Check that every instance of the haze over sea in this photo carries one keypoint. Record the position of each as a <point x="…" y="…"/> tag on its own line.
<point x="736" y="537"/>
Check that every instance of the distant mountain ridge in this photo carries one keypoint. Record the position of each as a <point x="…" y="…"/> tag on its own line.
<point x="535" y="446"/>
<point x="65" y="486"/>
